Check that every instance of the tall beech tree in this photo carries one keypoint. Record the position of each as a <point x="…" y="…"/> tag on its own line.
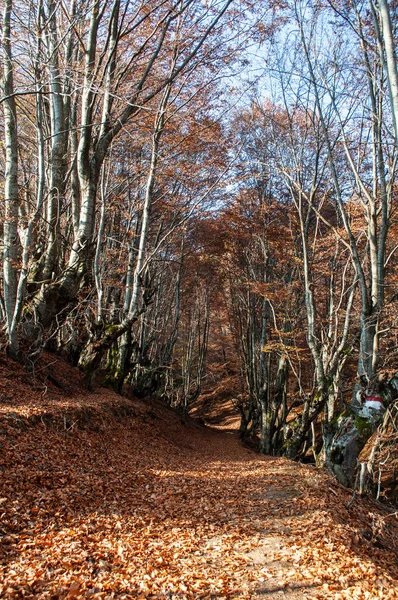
<point x="11" y="191"/>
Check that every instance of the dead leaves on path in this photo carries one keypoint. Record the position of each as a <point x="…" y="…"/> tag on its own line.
<point x="148" y="508"/>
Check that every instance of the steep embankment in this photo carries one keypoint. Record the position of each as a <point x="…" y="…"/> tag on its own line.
<point x="106" y="498"/>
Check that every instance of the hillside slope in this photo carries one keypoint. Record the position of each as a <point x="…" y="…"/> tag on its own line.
<point x="102" y="497"/>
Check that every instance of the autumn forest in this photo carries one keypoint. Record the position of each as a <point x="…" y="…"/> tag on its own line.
<point x="199" y="210"/>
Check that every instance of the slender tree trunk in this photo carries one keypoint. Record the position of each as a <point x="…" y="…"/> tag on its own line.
<point x="11" y="192"/>
<point x="97" y="262"/>
<point x="391" y="59"/>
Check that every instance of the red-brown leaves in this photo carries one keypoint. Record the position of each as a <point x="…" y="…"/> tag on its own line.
<point x="146" y="507"/>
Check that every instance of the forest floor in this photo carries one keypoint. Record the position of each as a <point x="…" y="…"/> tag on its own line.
<point x="104" y="497"/>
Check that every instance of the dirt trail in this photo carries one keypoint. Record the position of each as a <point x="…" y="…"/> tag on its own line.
<point x="144" y="506"/>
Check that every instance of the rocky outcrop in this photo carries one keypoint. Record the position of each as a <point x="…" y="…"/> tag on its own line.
<point x="348" y="435"/>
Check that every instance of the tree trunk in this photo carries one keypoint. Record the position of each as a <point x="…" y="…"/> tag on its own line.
<point x="270" y="408"/>
<point x="11" y="199"/>
<point x="392" y="74"/>
<point x="58" y="150"/>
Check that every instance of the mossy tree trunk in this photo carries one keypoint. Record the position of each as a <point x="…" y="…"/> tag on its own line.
<point x="271" y="408"/>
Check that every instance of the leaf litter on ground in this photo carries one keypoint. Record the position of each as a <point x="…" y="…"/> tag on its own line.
<point x="104" y="497"/>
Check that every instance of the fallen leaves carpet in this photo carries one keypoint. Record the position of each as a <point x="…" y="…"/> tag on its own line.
<point x="123" y="500"/>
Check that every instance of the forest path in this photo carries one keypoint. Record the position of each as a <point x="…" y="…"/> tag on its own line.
<point x="145" y="506"/>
